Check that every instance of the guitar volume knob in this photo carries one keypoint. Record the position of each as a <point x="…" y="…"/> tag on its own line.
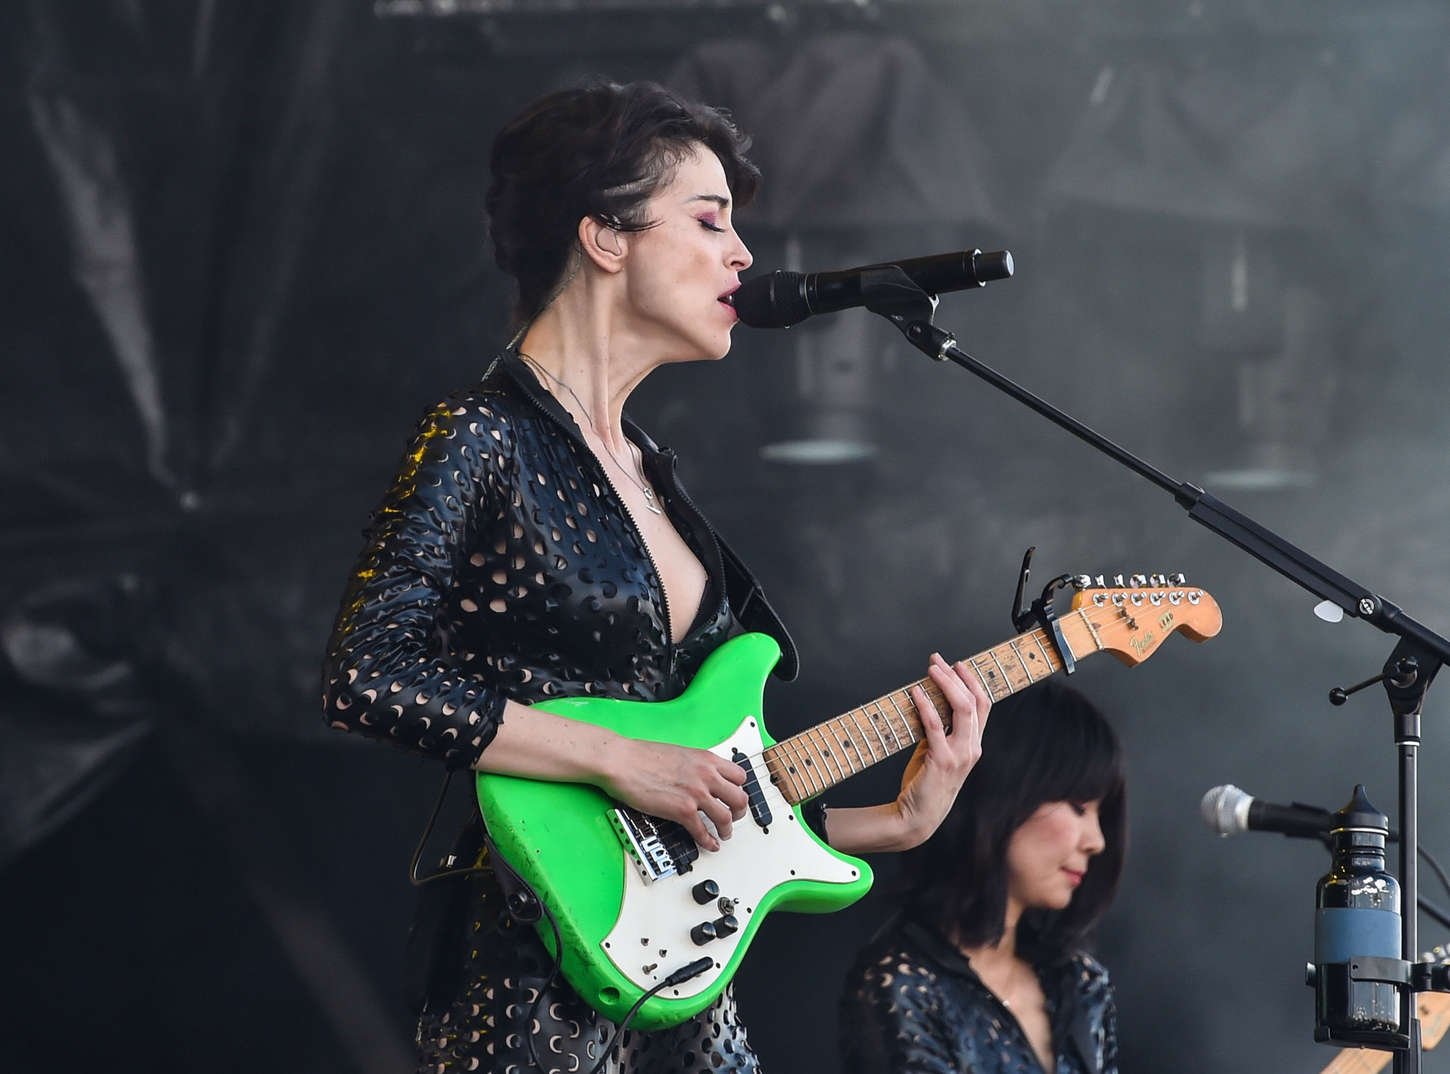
<point x="703" y="933"/>
<point x="705" y="891"/>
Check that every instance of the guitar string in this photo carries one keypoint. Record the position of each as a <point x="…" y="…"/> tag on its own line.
<point x="759" y="758"/>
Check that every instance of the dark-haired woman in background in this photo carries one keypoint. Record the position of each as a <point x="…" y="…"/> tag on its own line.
<point x="982" y="971"/>
<point x="535" y="544"/>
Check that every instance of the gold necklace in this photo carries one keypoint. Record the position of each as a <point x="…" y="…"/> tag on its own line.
<point x="642" y="485"/>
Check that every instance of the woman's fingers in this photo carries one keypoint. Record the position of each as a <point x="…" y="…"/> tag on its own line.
<point x="970" y="703"/>
<point x="690" y="787"/>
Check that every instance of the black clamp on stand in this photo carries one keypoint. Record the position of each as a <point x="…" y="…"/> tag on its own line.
<point x="1041" y="611"/>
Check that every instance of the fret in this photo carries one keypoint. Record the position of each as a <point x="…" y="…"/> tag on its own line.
<point x="1006" y="679"/>
<point x="825" y="753"/>
<point x="906" y="722"/>
<point x="985" y="680"/>
<point x="803" y="763"/>
<point x="870" y="747"/>
<point x="880" y="717"/>
<point x="792" y="770"/>
<point x="886" y="748"/>
<point x="1018" y="654"/>
<point x="846" y="740"/>
<point x="1092" y="629"/>
<point x="874" y="720"/>
<point x="1022" y="679"/>
<point x="780" y="775"/>
<point x="1052" y="660"/>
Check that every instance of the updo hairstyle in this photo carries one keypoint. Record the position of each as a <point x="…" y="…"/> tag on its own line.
<point x="601" y="150"/>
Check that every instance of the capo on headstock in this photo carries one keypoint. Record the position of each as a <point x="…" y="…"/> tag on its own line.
<point x="1040" y="612"/>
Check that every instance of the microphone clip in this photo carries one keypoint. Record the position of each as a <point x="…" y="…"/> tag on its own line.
<point x="1041" y="612"/>
<point x="889" y="291"/>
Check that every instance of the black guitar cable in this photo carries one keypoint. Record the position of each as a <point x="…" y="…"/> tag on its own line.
<point x="680" y="976"/>
<point x="447" y="871"/>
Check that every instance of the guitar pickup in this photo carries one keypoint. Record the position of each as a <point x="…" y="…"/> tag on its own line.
<point x="659" y="848"/>
<point x="759" y="807"/>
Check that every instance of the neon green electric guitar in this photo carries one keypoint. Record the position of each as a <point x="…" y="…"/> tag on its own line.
<point x="643" y="915"/>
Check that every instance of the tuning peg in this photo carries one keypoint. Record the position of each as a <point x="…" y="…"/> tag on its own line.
<point x="1177" y="579"/>
<point x="1138" y="580"/>
<point x="1081" y="581"/>
<point x="1157" y="579"/>
<point x="1118" y="580"/>
<point x="1098" y="581"/>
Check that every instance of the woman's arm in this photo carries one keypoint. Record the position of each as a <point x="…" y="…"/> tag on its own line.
<point x="382" y="677"/>
<point x="934" y="774"/>
<point x="673" y="782"/>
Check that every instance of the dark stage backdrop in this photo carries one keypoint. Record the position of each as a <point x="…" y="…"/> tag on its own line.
<point x="244" y="249"/>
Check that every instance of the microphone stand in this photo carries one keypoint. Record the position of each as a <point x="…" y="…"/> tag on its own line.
<point x="1407" y="674"/>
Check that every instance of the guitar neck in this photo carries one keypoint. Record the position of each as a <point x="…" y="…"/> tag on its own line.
<point x="817" y="759"/>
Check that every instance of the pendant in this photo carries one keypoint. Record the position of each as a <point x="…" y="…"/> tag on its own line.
<point x="649" y="501"/>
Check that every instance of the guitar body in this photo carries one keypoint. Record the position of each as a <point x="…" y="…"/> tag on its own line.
<point x="624" y="928"/>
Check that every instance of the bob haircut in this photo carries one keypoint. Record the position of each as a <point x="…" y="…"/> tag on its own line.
<point x="1048" y="744"/>
<point x="600" y="150"/>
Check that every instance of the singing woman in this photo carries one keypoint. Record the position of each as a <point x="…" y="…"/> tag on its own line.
<point x="535" y="544"/>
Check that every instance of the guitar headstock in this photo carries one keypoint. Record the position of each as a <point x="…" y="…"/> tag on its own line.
<point x="1131" y="621"/>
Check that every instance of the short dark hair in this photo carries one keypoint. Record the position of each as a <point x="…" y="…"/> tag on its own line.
<point x="599" y="149"/>
<point x="1047" y="744"/>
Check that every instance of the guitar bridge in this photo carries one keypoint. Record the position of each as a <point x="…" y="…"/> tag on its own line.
<point x="659" y="848"/>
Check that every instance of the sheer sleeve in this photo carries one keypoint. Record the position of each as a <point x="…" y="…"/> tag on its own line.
<point x="388" y="672"/>
<point x="891" y="1019"/>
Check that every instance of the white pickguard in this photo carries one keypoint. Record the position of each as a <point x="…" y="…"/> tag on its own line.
<point x="651" y="938"/>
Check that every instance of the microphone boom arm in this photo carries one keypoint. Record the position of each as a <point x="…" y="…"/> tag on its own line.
<point x="888" y="294"/>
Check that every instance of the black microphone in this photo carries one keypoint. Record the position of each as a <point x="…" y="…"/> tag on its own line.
<point x="783" y="298"/>
<point x="1228" y="811"/>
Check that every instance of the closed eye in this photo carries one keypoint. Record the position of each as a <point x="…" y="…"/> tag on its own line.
<point x="708" y="226"/>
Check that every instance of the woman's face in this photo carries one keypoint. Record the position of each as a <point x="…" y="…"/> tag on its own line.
<point x="1048" y="854"/>
<point x="680" y="271"/>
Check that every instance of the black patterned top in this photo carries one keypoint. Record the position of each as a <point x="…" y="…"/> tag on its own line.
<point x="913" y="1005"/>
<point x="502" y="565"/>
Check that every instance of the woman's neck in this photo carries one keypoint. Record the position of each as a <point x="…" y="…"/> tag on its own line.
<point x="1005" y="949"/>
<point x="589" y="367"/>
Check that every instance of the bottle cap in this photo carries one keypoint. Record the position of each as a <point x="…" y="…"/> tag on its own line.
<point x="1359" y="815"/>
